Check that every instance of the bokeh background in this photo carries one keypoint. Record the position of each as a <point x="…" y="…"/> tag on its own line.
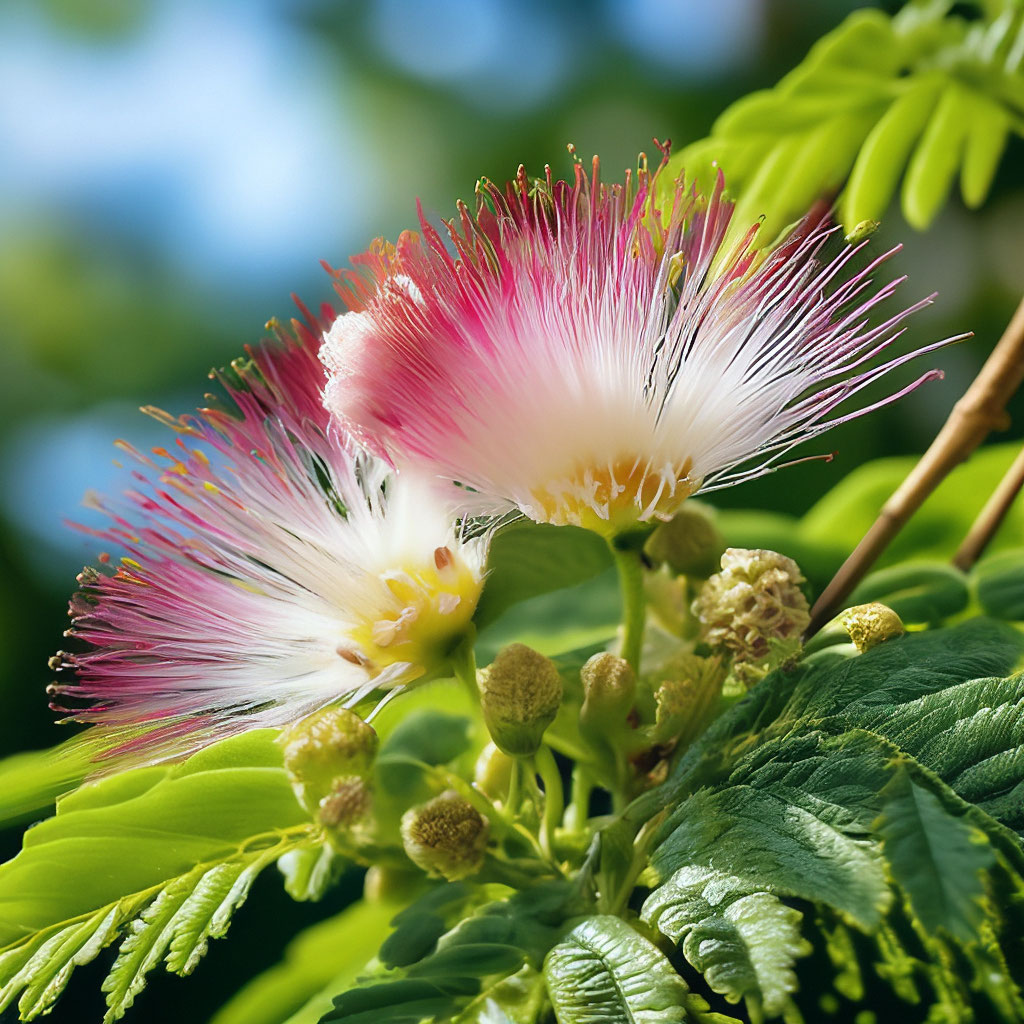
<point x="170" y="170"/>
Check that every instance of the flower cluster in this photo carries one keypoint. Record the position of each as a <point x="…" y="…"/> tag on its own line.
<point x="572" y="351"/>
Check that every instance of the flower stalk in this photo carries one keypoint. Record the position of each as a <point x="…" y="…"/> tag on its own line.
<point x="990" y="518"/>
<point x="634" y="608"/>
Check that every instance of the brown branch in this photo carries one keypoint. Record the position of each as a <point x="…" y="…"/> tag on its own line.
<point x="981" y="409"/>
<point x="983" y="529"/>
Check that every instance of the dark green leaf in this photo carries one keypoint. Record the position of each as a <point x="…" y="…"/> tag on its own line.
<point x="738" y="934"/>
<point x="936" y="857"/>
<point x="604" y="972"/>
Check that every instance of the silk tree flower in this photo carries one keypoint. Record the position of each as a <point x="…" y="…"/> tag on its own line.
<point x="593" y="354"/>
<point x="268" y="572"/>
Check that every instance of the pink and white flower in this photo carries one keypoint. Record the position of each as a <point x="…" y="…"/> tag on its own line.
<point x="268" y="571"/>
<point x="594" y="354"/>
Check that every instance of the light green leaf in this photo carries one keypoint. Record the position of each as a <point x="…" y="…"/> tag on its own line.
<point x="527" y="559"/>
<point x="167" y="852"/>
<point x="845" y="514"/>
<point x="31" y="781"/>
<point x="917" y="96"/>
<point x="935" y="857"/>
<point x="735" y="931"/>
<point x="604" y="972"/>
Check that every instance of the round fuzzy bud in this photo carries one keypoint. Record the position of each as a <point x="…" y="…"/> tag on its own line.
<point x="609" y="685"/>
<point x="689" y="543"/>
<point x="754" y="609"/>
<point x="871" y="624"/>
<point x="493" y="772"/>
<point x="347" y="804"/>
<point x="329" y="744"/>
<point x="446" y="837"/>
<point x="520" y="693"/>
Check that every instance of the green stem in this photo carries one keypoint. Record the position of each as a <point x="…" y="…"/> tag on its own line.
<point x="634" y="607"/>
<point x="514" y="790"/>
<point x="463" y="665"/>
<point x="579" y="808"/>
<point x="554" y="797"/>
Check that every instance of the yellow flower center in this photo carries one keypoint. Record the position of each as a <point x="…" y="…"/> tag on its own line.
<point x="610" y="499"/>
<point x="428" y="608"/>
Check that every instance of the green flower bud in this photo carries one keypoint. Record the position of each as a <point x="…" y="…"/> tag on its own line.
<point x="384" y="884"/>
<point x="520" y="693"/>
<point x="493" y="772"/>
<point x="446" y="837"/>
<point x="347" y="805"/>
<point x="609" y="685"/>
<point x="689" y="543"/>
<point x="754" y="609"/>
<point x="871" y="624"/>
<point x="328" y="745"/>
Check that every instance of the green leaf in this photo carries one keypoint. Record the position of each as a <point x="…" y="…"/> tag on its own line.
<point x="167" y="853"/>
<point x="31" y="781"/>
<point x="926" y="592"/>
<point x="442" y="975"/>
<point x="917" y="96"/>
<point x="527" y="559"/>
<point x="999" y="584"/>
<point x="845" y="514"/>
<point x="937" y="858"/>
<point x="604" y="972"/>
<point x="735" y="931"/>
<point x="796" y="813"/>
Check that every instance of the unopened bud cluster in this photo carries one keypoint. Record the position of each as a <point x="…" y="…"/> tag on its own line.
<point x="754" y="609"/>
<point x="520" y="693"/>
<point x="329" y="757"/>
<point x="446" y="837"/>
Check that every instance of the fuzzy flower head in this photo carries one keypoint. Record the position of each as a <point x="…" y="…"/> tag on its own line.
<point x="268" y="571"/>
<point x="753" y="609"/>
<point x="592" y="355"/>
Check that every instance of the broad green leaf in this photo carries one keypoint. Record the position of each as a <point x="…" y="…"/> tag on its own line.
<point x="927" y="592"/>
<point x="935" y="857"/>
<point x="735" y="931"/>
<point x="999" y="584"/>
<point x="167" y="853"/>
<point x="527" y="559"/>
<point x="604" y="972"/>
<point x="791" y="790"/>
<point x="795" y="813"/>
<point x="318" y="962"/>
